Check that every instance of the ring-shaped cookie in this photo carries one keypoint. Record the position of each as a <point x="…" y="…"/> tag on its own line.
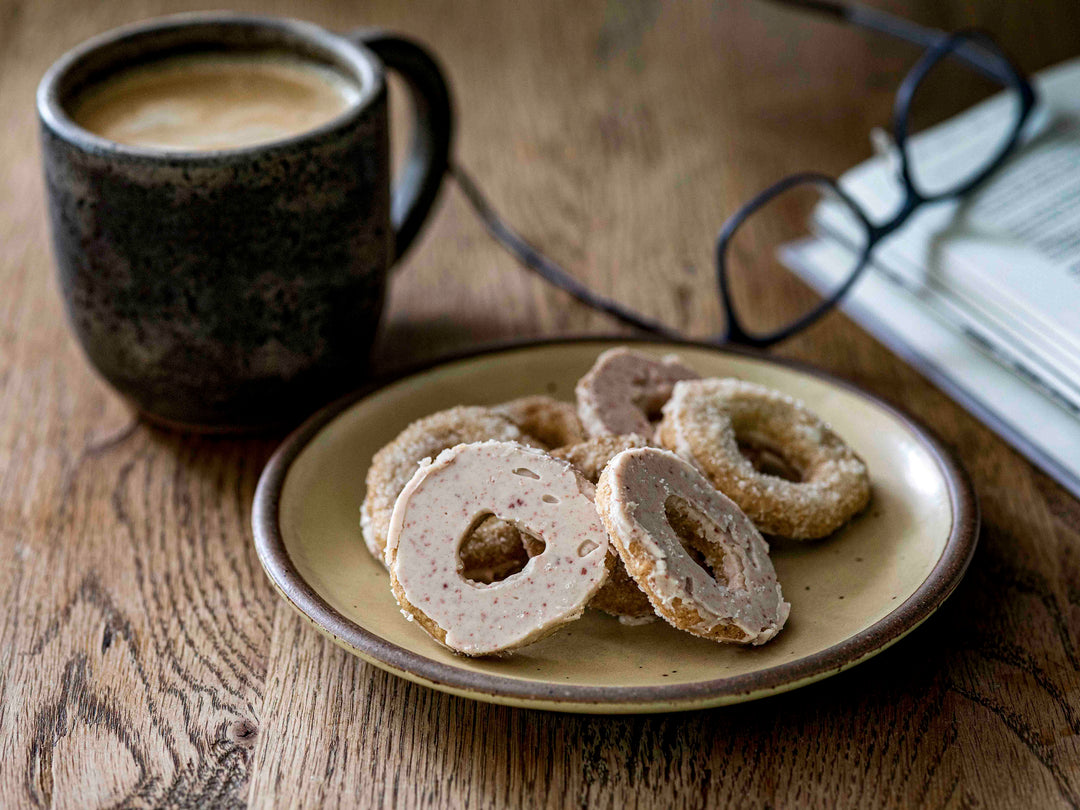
<point x="494" y="547"/>
<point x="647" y="497"/>
<point x="624" y="388"/>
<point x="706" y="420"/>
<point x="542" y="496"/>
<point x="551" y="422"/>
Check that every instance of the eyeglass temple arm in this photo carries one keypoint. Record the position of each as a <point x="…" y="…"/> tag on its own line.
<point x="882" y="22"/>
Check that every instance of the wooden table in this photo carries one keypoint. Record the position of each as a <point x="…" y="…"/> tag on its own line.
<point x="145" y="659"/>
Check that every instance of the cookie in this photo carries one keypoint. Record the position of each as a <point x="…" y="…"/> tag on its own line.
<point x="551" y="422"/>
<point x="706" y="421"/>
<point x="391" y="468"/>
<point x="651" y="502"/>
<point x="624" y="389"/>
<point x="542" y="496"/>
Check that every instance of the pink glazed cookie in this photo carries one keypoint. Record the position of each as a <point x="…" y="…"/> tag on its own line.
<point x="652" y="501"/>
<point x="624" y="388"/>
<point x="540" y="495"/>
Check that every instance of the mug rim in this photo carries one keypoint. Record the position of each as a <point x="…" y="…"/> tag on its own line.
<point x="367" y="72"/>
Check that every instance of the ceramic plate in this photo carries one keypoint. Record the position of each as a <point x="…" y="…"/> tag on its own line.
<point x="852" y="595"/>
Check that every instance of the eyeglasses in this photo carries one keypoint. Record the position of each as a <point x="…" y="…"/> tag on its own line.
<point x="922" y="179"/>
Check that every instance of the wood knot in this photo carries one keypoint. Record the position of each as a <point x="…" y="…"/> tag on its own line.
<point x="242" y="732"/>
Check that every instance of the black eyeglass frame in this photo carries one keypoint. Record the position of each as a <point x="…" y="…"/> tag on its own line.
<point x="973" y="48"/>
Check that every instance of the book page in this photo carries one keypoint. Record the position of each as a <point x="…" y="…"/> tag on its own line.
<point x="1000" y="394"/>
<point x="1011" y="249"/>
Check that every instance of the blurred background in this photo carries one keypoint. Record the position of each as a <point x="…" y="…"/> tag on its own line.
<point x="570" y="115"/>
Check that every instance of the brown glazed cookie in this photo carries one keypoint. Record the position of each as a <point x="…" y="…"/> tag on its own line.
<point x="620" y="596"/>
<point x="651" y="502"/>
<point x="705" y="421"/>
<point x="547" y="497"/>
<point x="493" y="545"/>
<point x="551" y="422"/>
<point x="624" y="389"/>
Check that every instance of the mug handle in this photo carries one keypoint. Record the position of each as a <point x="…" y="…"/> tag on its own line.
<point x="418" y="182"/>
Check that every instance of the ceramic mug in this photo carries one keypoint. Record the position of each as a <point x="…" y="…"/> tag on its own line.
<point x="241" y="287"/>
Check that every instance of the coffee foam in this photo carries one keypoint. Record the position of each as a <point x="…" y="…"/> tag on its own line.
<point x="214" y="101"/>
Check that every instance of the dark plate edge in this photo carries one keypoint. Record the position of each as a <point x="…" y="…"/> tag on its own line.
<point x="939" y="584"/>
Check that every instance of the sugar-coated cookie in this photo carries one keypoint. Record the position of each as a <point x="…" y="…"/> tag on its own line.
<point x="706" y="420"/>
<point x="551" y="422"/>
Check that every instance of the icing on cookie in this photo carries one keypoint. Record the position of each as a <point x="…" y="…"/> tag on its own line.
<point x="540" y="495"/>
<point x="642" y="496"/>
<point x="622" y="390"/>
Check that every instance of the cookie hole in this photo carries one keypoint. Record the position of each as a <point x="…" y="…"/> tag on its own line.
<point x="493" y="550"/>
<point x="652" y="406"/>
<point x="767" y="458"/>
<point x="525" y="472"/>
<point x="693" y="533"/>
<point x="651" y="396"/>
<point x="550" y="499"/>
<point x="587" y="548"/>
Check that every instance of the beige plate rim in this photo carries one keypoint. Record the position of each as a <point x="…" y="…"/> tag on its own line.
<point x="927" y="598"/>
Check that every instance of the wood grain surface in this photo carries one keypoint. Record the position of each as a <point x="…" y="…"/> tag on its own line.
<point x="145" y="661"/>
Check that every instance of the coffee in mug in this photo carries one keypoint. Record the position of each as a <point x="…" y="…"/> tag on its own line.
<point x="214" y="101"/>
<point x="223" y="213"/>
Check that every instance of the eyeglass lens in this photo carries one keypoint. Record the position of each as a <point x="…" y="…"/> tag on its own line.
<point x="952" y="87"/>
<point x="765" y="295"/>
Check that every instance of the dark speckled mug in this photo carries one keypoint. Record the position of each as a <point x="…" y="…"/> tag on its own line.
<point x="237" y="288"/>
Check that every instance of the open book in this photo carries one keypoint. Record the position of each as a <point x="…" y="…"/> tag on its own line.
<point x="982" y="294"/>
